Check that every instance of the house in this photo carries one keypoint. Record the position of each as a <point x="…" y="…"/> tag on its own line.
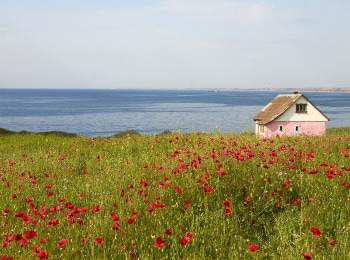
<point x="290" y="114"/>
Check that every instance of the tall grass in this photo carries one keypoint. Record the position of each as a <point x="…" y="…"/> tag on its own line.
<point x="174" y="196"/>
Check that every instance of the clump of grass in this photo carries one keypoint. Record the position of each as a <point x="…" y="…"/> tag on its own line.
<point x="4" y="131"/>
<point x="126" y="133"/>
<point x="58" y="133"/>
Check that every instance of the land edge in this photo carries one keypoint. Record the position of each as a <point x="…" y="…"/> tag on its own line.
<point x="131" y="132"/>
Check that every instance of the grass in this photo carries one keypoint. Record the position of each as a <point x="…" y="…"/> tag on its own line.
<point x="174" y="196"/>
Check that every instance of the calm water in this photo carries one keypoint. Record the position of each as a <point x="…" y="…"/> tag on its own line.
<point x="106" y="112"/>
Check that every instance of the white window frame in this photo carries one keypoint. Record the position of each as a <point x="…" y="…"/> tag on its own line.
<point x="301" y="108"/>
<point x="262" y="127"/>
<point x="296" y="128"/>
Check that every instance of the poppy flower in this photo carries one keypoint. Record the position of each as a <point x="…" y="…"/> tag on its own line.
<point x="306" y="255"/>
<point x="315" y="230"/>
<point x="226" y="203"/>
<point x="159" y="242"/>
<point x="99" y="240"/>
<point x="29" y="234"/>
<point x="227" y="211"/>
<point x="168" y="232"/>
<point x="332" y="242"/>
<point x="184" y="240"/>
<point x="132" y="254"/>
<point x="253" y="247"/>
<point x="62" y="243"/>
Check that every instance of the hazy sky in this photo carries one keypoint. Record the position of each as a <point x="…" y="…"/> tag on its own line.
<point x="174" y="43"/>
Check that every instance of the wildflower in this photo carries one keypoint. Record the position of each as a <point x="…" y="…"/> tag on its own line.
<point x="286" y="183"/>
<point x="332" y="242"/>
<point x="168" y="232"/>
<point x="62" y="243"/>
<point x="53" y="222"/>
<point x="99" y="240"/>
<point x="306" y="255"/>
<point x="159" y="242"/>
<point x="253" y="247"/>
<point x="42" y="254"/>
<point x="132" y="254"/>
<point x="226" y="203"/>
<point x="184" y="240"/>
<point x="23" y="242"/>
<point x="131" y="220"/>
<point x="227" y="211"/>
<point x="29" y="234"/>
<point x="315" y="230"/>
<point x="28" y="200"/>
<point x="296" y="201"/>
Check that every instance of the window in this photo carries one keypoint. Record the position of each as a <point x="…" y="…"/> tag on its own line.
<point x="296" y="129"/>
<point x="261" y="129"/>
<point x="280" y="128"/>
<point x="301" y="108"/>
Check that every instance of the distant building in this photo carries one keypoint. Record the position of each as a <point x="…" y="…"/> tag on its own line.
<point x="290" y="114"/>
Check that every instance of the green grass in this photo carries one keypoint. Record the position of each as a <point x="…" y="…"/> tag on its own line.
<point x="176" y="181"/>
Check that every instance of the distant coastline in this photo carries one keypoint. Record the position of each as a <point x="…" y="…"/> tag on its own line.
<point x="298" y="89"/>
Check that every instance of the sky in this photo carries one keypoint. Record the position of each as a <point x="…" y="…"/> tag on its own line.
<point x="174" y="44"/>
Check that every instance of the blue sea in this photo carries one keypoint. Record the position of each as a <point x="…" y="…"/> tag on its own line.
<point x="103" y="112"/>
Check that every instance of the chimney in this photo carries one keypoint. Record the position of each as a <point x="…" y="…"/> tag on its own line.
<point x="295" y="92"/>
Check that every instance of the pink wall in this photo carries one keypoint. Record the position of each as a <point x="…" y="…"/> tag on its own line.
<point x="305" y="128"/>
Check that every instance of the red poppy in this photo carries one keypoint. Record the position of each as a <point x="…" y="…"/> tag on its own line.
<point x="159" y="242"/>
<point x="189" y="235"/>
<point x="131" y="220"/>
<point x="29" y="234"/>
<point x="62" y="243"/>
<point x="226" y="203"/>
<point x="253" y="247"/>
<point x="306" y="255"/>
<point x="168" y="232"/>
<point x="53" y="222"/>
<point x="332" y="242"/>
<point x="315" y="230"/>
<point x="184" y="240"/>
<point x="227" y="211"/>
<point x="132" y="254"/>
<point x="99" y="240"/>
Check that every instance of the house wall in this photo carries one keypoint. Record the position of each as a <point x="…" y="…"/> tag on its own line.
<point x="312" y="113"/>
<point x="305" y="128"/>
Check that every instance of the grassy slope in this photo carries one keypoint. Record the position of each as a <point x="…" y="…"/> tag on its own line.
<point x="264" y="180"/>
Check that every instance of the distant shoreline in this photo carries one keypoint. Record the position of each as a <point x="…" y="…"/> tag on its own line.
<point x="201" y="89"/>
<point x="293" y="89"/>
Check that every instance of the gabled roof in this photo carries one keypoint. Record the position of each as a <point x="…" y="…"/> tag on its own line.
<point x="278" y="106"/>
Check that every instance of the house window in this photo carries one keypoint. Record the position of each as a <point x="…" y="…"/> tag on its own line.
<point x="301" y="108"/>
<point x="280" y="128"/>
<point x="261" y="129"/>
<point x="296" y="129"/>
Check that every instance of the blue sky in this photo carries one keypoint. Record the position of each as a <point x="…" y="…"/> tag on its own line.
<point x="174" y="44"/>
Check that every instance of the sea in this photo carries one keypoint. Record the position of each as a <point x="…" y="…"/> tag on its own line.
<point x="105" y="112"/>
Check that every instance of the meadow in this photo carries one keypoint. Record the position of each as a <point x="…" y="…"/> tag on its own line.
<point x="174" y="196"/>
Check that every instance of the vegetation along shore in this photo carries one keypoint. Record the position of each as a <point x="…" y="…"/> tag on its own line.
<point x="174" y="196"/>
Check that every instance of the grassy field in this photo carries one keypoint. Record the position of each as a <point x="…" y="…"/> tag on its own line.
<point x="174" y="196"/>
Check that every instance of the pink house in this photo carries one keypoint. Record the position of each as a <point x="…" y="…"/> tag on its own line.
<point x="290" y="114"/>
